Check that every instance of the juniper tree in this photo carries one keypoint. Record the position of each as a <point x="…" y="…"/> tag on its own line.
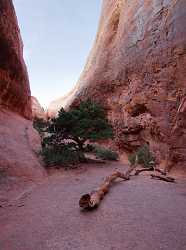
<point x="88" y="121"/>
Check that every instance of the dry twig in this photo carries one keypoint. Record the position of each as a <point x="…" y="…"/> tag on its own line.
<point x="163" y="178"/>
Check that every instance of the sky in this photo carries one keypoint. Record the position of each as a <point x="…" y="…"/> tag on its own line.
<point x="57" y="37"/>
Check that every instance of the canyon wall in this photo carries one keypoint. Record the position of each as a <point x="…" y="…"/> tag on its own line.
<point x="37" y="110"/>
<point x="14" y="84"/>
<point x="57" y="104"/>
<point x="137" y="70"/>
<point x="19" y="142"/>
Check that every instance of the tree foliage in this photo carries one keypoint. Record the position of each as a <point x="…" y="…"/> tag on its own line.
<point x="86" y="122"/>
<point x="106" y="154"/>
<point x="143" y="156"/>
<point x="68" y="132"/>
<point x="39" y="124"/>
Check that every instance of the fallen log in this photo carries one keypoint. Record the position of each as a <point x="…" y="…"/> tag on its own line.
<point x="162" y="177"/>
<point x="130" y="170"/>
<point x="160" y="171"/>
<point x="92" y="200"/>
<point x="138" y="171"/>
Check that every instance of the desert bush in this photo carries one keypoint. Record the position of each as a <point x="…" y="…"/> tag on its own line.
<point x="143" y="157"/>
<point x="86" y="122"/>
<point x="61" y="156"/>
<point x="105" y="154"/>
<point x="67" y="134"/>
<point x="40" y="125"/>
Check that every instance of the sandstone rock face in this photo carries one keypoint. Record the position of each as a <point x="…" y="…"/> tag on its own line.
<point x="57" y="104"/>
<point x="137" y="69"/>
<point x="19" y="147"/>
<point x="14" y="84"/>
<point x="19" y="142"/>
<point x="37" y="110"/>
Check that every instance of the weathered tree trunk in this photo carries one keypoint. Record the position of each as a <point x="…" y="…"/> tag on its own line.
<point x="138" y="171"/>
<point x="93" y="199"/>
<point x="163" y="178"/>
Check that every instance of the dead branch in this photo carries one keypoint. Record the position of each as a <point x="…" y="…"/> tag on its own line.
<point x="92" y="200"/>
<point x="160" y="171"/>
<point x="138" y="171"/>
<point x="130" y="170"/>
<point x="163" y="178"/>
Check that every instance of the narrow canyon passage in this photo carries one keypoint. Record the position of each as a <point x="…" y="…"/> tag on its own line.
<point x="138" y="214"/>
<point x="136" y="71"/>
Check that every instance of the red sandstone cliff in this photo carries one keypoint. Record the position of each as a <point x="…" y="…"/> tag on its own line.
<point x="14" y="84"/>
<point x="19" y="142"/>
<point x="37" y="110"/>
<point x="137" y="69"/>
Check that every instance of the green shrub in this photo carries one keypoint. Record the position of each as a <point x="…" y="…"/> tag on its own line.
<point x="63" y="156"/>
<point x="106" y="154"/>
<point x="143" y="156"/>
<point x="40" y="125"/>
<point x="64" y="137"/>
<point x="86" y="122"/>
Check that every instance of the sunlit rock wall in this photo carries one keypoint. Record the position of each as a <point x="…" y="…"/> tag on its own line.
<point x="37" y="110"/>
<point x="137" y="69"/>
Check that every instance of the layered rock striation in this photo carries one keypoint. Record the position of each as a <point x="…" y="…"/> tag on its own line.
<point x="137" y="69"/>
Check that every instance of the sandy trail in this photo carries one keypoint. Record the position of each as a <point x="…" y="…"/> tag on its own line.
<point x="140" y="214"/>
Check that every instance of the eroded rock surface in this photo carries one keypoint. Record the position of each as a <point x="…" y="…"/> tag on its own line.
<point x="19" y="147"/>
<point x="14" y="83"/>
<point x="137" y="69"/>
<point x="19" y="142"/>
<point x="37" y="110"/>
